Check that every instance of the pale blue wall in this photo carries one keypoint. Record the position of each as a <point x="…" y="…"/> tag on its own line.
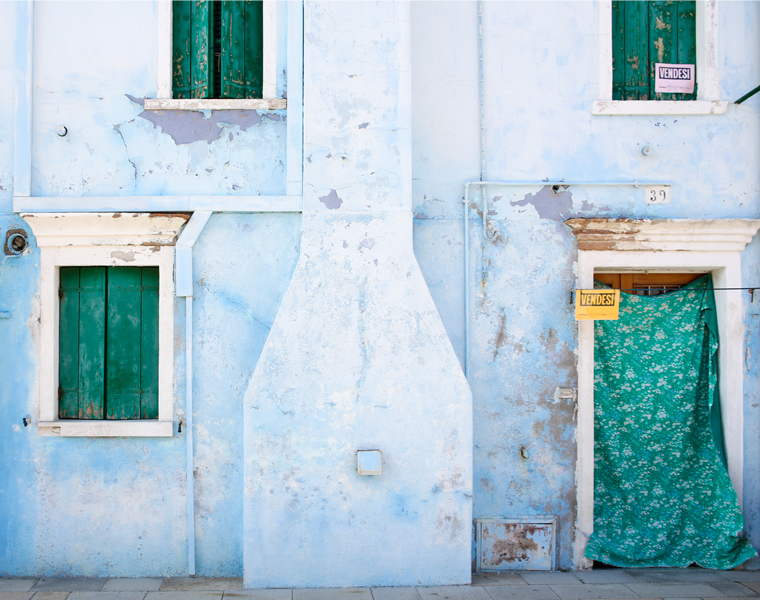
<point x="540" y="68"/>
<point x="67" y="504"/>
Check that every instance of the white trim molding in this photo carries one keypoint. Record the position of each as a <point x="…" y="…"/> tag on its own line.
<point x="708" y="86"/>
<point x="717" y="235"/>
<point x="677" y="246"/>
<point x="104" y="239"/>
<point x="164" y="100"/>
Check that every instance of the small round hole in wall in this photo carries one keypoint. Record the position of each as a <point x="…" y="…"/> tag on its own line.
<point x="16" y="242"/>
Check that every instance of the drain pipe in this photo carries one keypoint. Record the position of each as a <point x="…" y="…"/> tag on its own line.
<point x="183" y="281"/>
<point x="557" y="185"/>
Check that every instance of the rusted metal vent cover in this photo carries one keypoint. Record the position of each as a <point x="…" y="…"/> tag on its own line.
<point x="515" y="544"/>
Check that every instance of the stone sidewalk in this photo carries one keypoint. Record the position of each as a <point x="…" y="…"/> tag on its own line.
<point x="667" y="584"/>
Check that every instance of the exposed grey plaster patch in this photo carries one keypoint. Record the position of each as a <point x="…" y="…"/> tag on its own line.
<point x="140" y="101"/>
<point x="345" y="244"/>
<point x="188" y="126"/>
<point x="495" y="199"/>
<point x="588" y="207"/>
<point x="331" y="200"/>
<point x="549" y="205"/>
<point x="369" y="243"/>
<point x="363" y="126"/>
<point x="491" y="213"/>
<point x="421" y="216"/>
<point x="125" y="256"/>
<point x="272" y="116"/>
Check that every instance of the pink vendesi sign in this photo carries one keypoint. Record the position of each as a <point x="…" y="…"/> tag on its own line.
<point x="674" y="79"/>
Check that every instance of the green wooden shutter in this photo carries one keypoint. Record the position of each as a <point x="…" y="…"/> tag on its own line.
<point x="242" y="48"/>
<point x="630" y="50"/>
<point x="645" y="33"/>
<point x="191" y="47"/>
<point x="82" y="342"/>
<point x="672" y="39"/>
<point x="108" y="343"/>
<point x="132" y="343"/>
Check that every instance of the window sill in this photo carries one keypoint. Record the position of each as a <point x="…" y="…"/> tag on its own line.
<point x="76" y="428"/>
<point x="653" y="107"/>
<point x="216" y="104"/>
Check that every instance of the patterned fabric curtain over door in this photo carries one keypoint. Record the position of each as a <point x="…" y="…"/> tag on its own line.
<point x="662" y="495"/>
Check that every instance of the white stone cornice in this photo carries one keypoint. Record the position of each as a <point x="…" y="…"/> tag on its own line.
<point x="105" y="229"/>
<point x="708" y="235"/>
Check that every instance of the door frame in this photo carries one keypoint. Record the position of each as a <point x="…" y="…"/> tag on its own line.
<point x="724" y="262"/>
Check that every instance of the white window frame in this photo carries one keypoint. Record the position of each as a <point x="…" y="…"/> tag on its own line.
<point x="104" y="239"/>
<point x="680" y="245"/>
<point x="708" y="86"/>
<point x="164" y="101"/>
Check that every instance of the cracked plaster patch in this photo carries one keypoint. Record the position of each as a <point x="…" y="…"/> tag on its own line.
<point x="188" y="126"/>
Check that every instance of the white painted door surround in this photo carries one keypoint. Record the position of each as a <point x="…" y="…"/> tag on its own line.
<point x="619" y="245"/>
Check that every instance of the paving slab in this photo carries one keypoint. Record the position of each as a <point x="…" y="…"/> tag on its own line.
<point x="742" y="576"/>
<point x="395" y="593"/>
<point x="16" y="595"/>
<point x="521" y="592"/>
<point x="675" y="575"/>
<point x="187" y="595"/>
<point x="675" y="590"/>
<point x="752" y="585"/>
<point x="106" y="596"/>
<point x="549" y="578"/>
<point x="257" y="594"/>
<point x="133" y="584"/>
<point x="51" y="595"/>
<point x="332" y="593"/>
<point x="201" y="584"/>
<point x="17" y="584"/>
<point x="593" y="590"/>
<point x="453" y="592"/>
<point x="733" y="589"/>
<point x="483" y="579"/>
<point x="604" y="576"/>
<point x="70" y="584"/>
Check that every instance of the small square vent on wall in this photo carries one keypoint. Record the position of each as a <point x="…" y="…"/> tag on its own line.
<point x="515" y="544"/>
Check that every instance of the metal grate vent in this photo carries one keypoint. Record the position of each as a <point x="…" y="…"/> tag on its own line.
<point x="515" y="544"/>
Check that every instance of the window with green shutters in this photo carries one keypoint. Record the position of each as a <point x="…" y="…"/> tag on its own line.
<point x="217" y="49"/>
<point x="645" y="33"/>
<point x="108" y="343"/>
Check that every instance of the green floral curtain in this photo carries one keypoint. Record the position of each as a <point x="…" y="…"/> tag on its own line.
<point x="662" y="495"/>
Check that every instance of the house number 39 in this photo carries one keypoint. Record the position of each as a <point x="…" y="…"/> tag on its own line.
<point x="657" y="194"/>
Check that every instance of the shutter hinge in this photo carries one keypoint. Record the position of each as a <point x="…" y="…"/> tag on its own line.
<point x="60" y="293"/>
<point x="60" y="393"/>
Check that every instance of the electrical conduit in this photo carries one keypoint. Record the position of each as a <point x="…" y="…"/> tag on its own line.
<point x="183" y="281"/>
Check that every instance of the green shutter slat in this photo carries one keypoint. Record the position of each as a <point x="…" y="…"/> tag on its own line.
<point x="149" y="344"/>
<point x="618" y="50"/>
<point x="687" y="40"/>
<point x="636" y="29"/>
<point x="68" y="344"/>
<point x="91" y="355"/>
<point x="242" y="48"/>
<point x="190" y="41"/>
<point x="123" y="343"/>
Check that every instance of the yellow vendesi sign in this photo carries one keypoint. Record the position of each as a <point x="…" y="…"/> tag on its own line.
<point x="597" y="304"/>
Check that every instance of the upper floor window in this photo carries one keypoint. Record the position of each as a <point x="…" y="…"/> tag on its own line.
<point x="648" y="33"/>
<point x="636" y="36"/>
<point x="218" y="49"/>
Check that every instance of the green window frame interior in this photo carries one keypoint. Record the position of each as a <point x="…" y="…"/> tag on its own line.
<point x="218" y="48"/>
<point x="649" y="32"/>
<point x="108" y="343"/>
